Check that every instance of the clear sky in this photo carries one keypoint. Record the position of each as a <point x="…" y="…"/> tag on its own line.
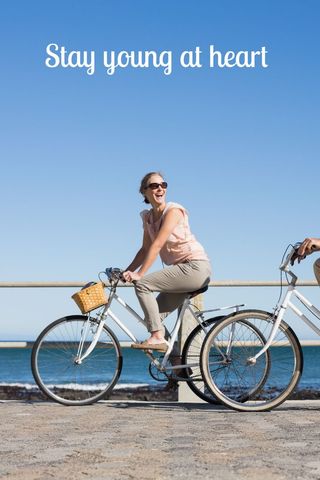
<point x="239" y="147"/>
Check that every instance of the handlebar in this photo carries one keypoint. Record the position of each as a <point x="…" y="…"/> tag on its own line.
<point x="114" y="274"/>
<point x="293" y="255"/>
<point x="289" y="258"/>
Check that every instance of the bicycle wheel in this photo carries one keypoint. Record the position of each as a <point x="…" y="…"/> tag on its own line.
<point x="236" y="380"/>
<point x="54" y="366"/>
<point x="191" y="355"/>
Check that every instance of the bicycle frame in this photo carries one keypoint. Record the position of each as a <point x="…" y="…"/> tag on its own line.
<point x="287" y="303"/>
<point x="103" y="314"/>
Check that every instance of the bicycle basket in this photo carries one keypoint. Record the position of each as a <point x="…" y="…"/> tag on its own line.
<point x="91" y="297"/>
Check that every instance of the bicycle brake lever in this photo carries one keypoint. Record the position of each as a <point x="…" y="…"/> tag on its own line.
<point x="108" y="272"/>
<point x="114" y="274"/>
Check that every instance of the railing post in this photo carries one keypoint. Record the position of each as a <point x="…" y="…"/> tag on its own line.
<point x="185" y="394"/>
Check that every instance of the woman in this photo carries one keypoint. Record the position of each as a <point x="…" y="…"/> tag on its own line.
<point x="166" y="233"/>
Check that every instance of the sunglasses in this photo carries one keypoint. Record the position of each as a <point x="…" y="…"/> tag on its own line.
<point x="155" y="186"/>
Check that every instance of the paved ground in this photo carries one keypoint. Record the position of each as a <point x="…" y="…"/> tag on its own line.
<point x="122" y="440"/>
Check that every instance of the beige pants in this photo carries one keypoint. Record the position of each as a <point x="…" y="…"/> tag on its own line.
<point x="316" y="268"/>
<point x="174" y="283"/>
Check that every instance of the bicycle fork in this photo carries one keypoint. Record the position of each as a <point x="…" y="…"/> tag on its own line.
<point x="79" y="358"/>
<point x="279" y="316"/>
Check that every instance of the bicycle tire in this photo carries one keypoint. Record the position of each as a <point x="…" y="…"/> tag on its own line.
<point x="54" y="368"/>
<point x="192" y="352"/>
<point x="234" y="378"/>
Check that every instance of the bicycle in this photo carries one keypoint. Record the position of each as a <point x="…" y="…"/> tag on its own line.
<point x="85" y="354"/>
<point x="232" y="362"/>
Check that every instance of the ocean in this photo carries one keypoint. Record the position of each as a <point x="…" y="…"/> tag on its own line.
<point x="15" y="368"/>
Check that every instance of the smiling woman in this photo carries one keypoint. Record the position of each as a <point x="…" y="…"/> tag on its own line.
<point x="166" y="233"/>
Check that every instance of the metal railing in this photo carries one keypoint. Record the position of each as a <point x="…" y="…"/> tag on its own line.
<point x="221" y="283"/>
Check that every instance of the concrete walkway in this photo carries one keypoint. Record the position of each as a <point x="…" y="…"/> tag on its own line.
<point x="124" y="440"/>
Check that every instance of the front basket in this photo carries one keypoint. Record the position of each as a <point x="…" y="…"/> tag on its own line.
<point x="90" y="298"/>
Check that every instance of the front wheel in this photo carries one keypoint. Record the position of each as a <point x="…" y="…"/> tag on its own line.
<point x="235" y="378"/>
<point x="55" y="366"/>
<point x="192" y="352"/>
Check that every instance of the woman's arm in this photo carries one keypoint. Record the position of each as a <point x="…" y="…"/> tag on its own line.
<point x="171" y="219"/>
<point x="140" y="256"/>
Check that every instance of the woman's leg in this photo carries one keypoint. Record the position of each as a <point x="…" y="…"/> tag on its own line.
<point x="316" y="268"/>
<point x="174" y="283"/>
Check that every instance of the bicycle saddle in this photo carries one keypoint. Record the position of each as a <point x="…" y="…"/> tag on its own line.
<point x="197" y="292"/>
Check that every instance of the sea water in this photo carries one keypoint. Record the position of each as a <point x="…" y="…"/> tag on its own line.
<point x="15" y="368"/>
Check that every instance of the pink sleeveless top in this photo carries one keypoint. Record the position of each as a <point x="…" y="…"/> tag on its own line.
<point x="181" y="244"/>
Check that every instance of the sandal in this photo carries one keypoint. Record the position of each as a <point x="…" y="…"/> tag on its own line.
<point x="160" y="347"/>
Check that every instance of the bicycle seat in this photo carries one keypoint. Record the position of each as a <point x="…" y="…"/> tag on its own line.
<point x="197" y="292"/>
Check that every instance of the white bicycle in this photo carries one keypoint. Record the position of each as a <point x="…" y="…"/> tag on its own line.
<point x="234" y="361"/>
<point x="77" y="360"/>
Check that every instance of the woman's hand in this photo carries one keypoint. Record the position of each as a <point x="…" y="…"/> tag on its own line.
<point x="131" y="276"/>
<point x="309" y="245"/>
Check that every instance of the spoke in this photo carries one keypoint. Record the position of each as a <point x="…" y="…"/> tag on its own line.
<point x="56" y="366"/>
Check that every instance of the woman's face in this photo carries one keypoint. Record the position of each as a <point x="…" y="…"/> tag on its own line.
<point x="154" y="192"/>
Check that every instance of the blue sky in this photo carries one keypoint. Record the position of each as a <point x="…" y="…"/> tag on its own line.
<point x="238" y="147"/>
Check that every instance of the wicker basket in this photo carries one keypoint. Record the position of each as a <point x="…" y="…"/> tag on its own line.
<point x="90" y="298"/>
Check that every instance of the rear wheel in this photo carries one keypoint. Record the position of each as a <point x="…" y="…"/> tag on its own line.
<point x="55" y="367"/>
<point x="239" y="381"/>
